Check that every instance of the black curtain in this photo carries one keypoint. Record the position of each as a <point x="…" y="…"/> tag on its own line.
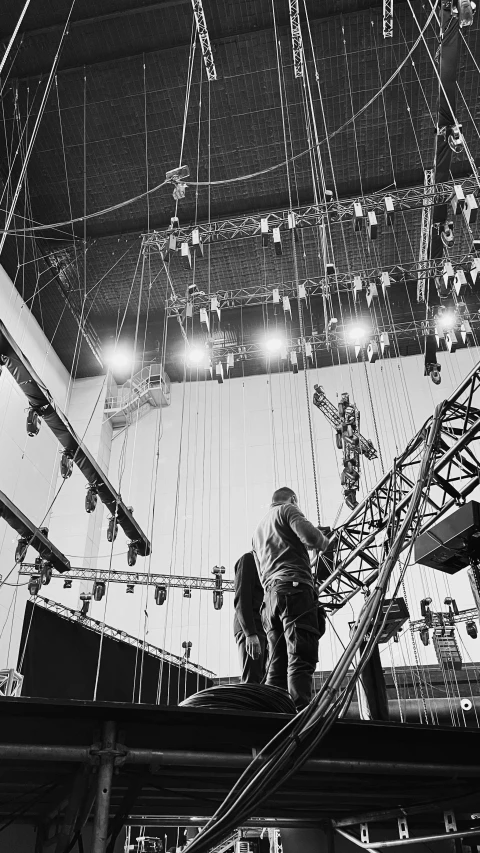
<point x="60" y="662"/>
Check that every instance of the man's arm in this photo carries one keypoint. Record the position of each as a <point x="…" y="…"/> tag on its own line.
<point x="245" y="577"/>
<point x="311" y="536"/>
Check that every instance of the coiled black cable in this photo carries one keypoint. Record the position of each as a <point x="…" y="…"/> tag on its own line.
<point x="242" y="697"/>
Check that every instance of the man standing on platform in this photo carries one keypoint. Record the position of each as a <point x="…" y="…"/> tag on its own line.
<point x="280" y="545"/>
<point x="247" y="623"/>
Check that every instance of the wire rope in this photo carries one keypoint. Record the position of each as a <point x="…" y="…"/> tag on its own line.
<point x="239" y="178"/>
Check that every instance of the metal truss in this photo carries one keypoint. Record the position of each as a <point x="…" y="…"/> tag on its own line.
<point x="115" y="634"/>
<point x="332" y="415"/>
<point x="138" y="578"/>
<point x="297" y="41"/>
<point x="387" y="19"/>
<point x="442" y="620"/>
<point x="450" y="830"/>
<point x="320" y="342"/>
<point x="364" y="538"/>
<point x="242" y="297"/>
<point x="304" y="217"/>
<point x="42" y="404"/>
<point x="31" y="535"/>
<point x="204" y="39"/>
<point x="425" y="231"/>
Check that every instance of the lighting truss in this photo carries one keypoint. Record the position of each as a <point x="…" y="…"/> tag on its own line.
<point x="41" y="401"/>
<point x="137" y="578"/>
<point x="204" y="39"/>
<point x="455" y="473"/>
<point x="312" y="215"/>
<point x="242" y="297"/>
<point x="297" y="41"/>
<point x="463" y="616"/>
<point x="32" y="534"/>
<point x="108" y="631"/>
<point x="425" y="231"/>
<point x="387" y="19"/>
<point x="363" y="539"/>
<point x="320" y="342"/>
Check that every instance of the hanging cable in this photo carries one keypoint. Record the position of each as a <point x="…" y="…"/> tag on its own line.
<point x="35" y="129"/>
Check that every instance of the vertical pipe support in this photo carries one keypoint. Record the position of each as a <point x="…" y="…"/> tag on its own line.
<point x="104" y="788"/>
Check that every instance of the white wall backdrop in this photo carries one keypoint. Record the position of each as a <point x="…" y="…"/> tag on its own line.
<point x="222" y="450"/>
<point x="200" y="474"/>
<point x="28" y="466"/>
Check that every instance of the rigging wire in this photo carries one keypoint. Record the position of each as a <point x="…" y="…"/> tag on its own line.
<point x="239" y="178"/>
<point x="35" y="130"/>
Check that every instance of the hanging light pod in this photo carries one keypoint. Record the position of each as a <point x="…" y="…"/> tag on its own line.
<point x="132" y="554"/>
<point x="91" y="499"/>
<point x="112" y="529"/>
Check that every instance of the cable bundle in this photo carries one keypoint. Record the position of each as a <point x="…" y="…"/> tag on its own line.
<point x="290" y="748"/>
<point x="242" y="697"/>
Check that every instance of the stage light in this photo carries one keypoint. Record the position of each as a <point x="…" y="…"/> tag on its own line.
<point x="273" y="344"/>
<point x="34" y="585"/>
<point x="447" y="320"/>
<point x="160" y="594"/>
<point x="98" y="590"/>
<point x="85" y="598"/>
<point x="21" y="549"/>
<point x="356" y="333"/>
<point x="119" y="359"/>
<point x="91" y="499"/>
<point x="196" y="356"/>
<point x="132" y="554"/>
<point x="112" y="529"/>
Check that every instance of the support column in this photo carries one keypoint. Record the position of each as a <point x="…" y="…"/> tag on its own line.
<point x="372" y="690"/>
<point x="104" y="789"/>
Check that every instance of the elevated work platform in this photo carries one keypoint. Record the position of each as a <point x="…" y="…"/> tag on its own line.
<point x="148" y="389"/>
<point x="173" y="766"/>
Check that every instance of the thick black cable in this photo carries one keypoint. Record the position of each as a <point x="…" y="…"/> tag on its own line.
<point x="291" y="747"/>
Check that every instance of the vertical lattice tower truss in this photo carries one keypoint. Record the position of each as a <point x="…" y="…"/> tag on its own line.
<point x="387" y="19"/>
<point x="297" y="42"/>
<point x="204" y="39"/>
<point x="426" y="226"/>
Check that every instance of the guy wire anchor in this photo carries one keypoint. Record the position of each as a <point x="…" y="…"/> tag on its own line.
<point x="175" y="177"/>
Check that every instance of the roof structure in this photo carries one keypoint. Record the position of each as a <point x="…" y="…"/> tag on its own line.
<point x="113" y="125"/>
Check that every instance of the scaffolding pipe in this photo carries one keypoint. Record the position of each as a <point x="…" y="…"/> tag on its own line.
<point x="104" y="788"/>
<point x="187" y="758"/>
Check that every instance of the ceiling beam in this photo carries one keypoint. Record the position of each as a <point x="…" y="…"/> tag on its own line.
<point x="84" y="22"/>
<point x="38" y="74"/>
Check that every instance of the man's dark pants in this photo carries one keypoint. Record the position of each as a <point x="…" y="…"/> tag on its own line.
<point x="253" y="671"/>
<point x="290" y="621"/>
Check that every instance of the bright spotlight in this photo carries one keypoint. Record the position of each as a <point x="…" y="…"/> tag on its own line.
<point x="273" y="344"/>
<point x="195" y="356"/>
<point x="356" y="333"/>
<point x="447" y="320"/>
<point x="119" y="359"/>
